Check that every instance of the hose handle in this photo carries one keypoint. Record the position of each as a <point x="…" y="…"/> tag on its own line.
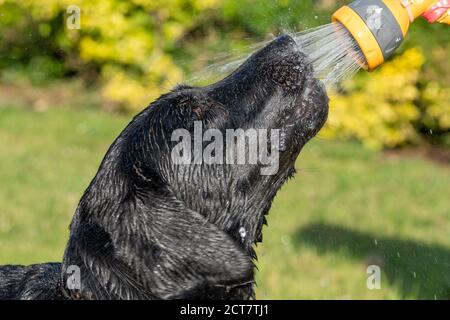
<point x="438" y="12"/>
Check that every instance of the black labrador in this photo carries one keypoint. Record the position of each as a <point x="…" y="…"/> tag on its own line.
<point x="152" y="227"/>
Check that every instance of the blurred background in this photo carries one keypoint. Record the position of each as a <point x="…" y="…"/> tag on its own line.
<point x="372" y="189"/>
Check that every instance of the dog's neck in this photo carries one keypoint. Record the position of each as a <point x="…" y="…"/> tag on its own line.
<point x="236" y="205"/>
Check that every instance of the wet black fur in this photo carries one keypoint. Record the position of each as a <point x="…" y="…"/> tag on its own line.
<point x="147" y="228"/>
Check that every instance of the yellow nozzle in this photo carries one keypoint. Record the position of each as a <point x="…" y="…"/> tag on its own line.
<point x="379" y="26"/>
<point x="362" y="35"/>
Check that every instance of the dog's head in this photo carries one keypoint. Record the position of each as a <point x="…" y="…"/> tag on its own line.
<point x="275" y="89"/>
<point x="225" y="149"/>
<point x="198" y="166"/>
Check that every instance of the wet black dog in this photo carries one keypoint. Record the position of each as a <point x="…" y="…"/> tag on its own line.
<point x="150" y="228"/>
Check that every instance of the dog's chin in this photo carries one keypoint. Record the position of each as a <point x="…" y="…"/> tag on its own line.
<point x="299" y="110"/>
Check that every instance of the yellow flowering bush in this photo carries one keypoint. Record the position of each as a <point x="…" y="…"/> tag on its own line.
<point x="135" y="35"/>
<point x="381" y="108"/>
<point x="436" y="98"/>
<point x="129" y="41"/>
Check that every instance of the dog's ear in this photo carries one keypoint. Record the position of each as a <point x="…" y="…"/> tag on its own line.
<point x="186" y="256"/>
<point x="190" y="255"/>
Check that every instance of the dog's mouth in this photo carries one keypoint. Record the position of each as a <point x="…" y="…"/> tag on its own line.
<point x="276" y="89"/>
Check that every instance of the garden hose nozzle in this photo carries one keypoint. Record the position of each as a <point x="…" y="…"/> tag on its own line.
<point x="379" y="26"/>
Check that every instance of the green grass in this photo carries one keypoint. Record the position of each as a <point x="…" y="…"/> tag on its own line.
<point x="347" y="208"/>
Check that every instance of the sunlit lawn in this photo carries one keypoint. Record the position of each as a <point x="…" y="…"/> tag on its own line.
<point x="346" y="209"/>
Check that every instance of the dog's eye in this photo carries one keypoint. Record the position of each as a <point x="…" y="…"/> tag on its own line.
<point x="198" y="111"/>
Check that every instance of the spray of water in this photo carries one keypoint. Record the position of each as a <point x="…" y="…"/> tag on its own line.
<point x="333" y="52"/>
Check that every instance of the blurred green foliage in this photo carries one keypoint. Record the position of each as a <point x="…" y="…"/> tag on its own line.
<point x="347" y="208"/>
<point x="136" y="50"/>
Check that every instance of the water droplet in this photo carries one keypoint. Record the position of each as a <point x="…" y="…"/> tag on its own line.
<point x="285" y="240"/>
<point x="242" y="233"/>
